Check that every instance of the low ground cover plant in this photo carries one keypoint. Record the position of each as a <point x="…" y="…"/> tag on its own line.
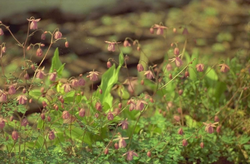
<point x="193" y="112"/>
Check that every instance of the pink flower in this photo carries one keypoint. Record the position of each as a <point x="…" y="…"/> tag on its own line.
<point x="39" y="52"/>
<point x="210" y="127"/>
<point x="1" y="32"/>
<point x="126" y="43"/>
<point x="180" y="131"/>
<point x="121" y="139"/>
<point x="185" y="31"/>
<point x="224" y="68"/>
<point x="169" y="67"/>
<point x="14" y="135"/>
<point x="43" y="36"/>
<point x="140" y="67"/>
<point x="22" y="99"/>
<point x="82" y="112"/>
<point x="81" y="82"/>
<point x="66" y="44"/>
<point x="40" y="74"/>
<point x="51" y="135"/>
<point x="74" y="83"/>
<point x="65" y="115"/>
<point x="160" y="29"/>
<point x="53" y="76"/>
<point x="2" y="123"/>
<point x="176" y="51"/>
<point x="93" y="75"/>
<point x="200" y="67"/>
<point x="178" y="62"/>
<point x="149" y="75"/>
<point x="24" y="122"/>
<point x="111" y="46"/>
<point x="98" y="106"/>
<point x="66" y="88"/>
<point x="130" y="154"/>
<point x="140" y="104"/>
<point x="3" y="96"/>
<point x="124" y="124"/>
<point x="110" y="116"/>
<point x="58" y="35"/>
<point x="184" y="142"/>
<point x="33" y="24"/>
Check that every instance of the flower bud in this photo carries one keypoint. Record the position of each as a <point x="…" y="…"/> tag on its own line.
<point x="170" y="76"/>
<point x="28" y="48"/>
<point x="110" y="116"/>
<point x="2" y="123"/>
<point x="57" y="35"/>
<point x="43" y="116"/>
<point x="40" y="74"/>
<point x="176" y="51"/>
<point x="224" y="68"/>
<point x="202" y="145"/>
<point x="180" y="92"/>
<point x="82" y="112"/>
<point x="39" y="52"/>
<point x="53" y="76"/>
<point x="177" y="118"/>
<point x="43" y="36"/>
<point x="51" y="135"/>
<point x="151" y="30"/>
<point x="109" y="64"/>
<point x="124" y="124"/>
<point x="26" y="76"/>
<point x="216" y="119"/>
<point x="184" y="142"/>
<point x="180" y="131"/>
<point x="120" y="105"/>
<point x="65" y="115"/>
<point x="66" y="44"/>
<point x="100" y="91"/>
<point x="149" y="154"/>
<point x="218" y="129"/>
<point x="126" y="43"/>
<point x="3" y="49"/>
<point x="186" y="74"/>
<point x="106" y="151"/>
<point x="49" y="118"/>
<point x="98" y="106"/>
<point x="140" y="67"/>
<point x="142" y="82"/>
<point x="1" y="32"/>
<point x="74" y="83"/>
<point x="174" y="30"/>
<point x="185" y="31"/>
<point x="169" y="67"/>
<point x="11" y="118"/>
<point x="14" y="135"/>
<point x="116" y="146"/>
<point x="24" y="122"/>
<point x="138" y="48"/>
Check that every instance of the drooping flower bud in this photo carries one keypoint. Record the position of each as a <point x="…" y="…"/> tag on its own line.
<point x="2" y="123"/>
<point x="65" y="115"/>
<point x="3" y="49"/>
<point x="24" y="122"/>
<point x="40" y="74"/>
<point x="82" y="112"/>
<point x="109" y="64"/>
<point x="106" y="151"/>
<point x="149" y="154"/>
<point x="51" y="135"/>
<point x="14" y="135"/>
<point x="184" y="142"/>
<point x="43" y="36"/>
<point x="151" y="30"/>
<point x="39" y="52"/>
<point x="52" y="76"/>
<point x="12" y="90"/>
<point x="216" y="119"/>
<point x="178" y="62"/>
<point x="140" y="67"/>
<point x="126" y="43"/>
<point x="1" y="32"/>
<point x="110" y="116"/>
<point x="98" y="106"/>
<point x="224" y="68"/>
<point x="185" y="31"/>
<point x="218" y="129"/>
<point x="169" y="67"/>
<point x="176" y="51"/>
<point x="58" y="35"/>
<point x="202" y="145"/>
<point x="42" y="116"/>
<point x="186" y="74"/>
<point x="124" y="124"/>
<point x="180" y="131"/>
<point x="177" y="118"/>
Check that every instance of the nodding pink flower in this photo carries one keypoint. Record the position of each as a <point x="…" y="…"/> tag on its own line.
<point x="121" y="142"/>
<point x="111" y="46"/>
<point x="58" y="35"/>
<point x="110" y="116"/>
<point x="12" y="89"/>
<point x="176" y="51"/>
<point x="184" y="142"/>
<point x="178" y="62"/>
<point x="42" y="116"/>
<point x="224" y="68"/>
<point x="65" y="115"/>
<point x="33" y="24"/>
<point x="40" y="74"/>
<point x="140" y="67"/>
<point x="109" y="64"/>
<point x="169" y="67"/>
<point x="124" y="124"/>
<point x="82" y="112"/>
<point x="43" y="36"/>
<point x="81" y="82"/>
<point x="151" y="30"/>
<point x="2" y="123"/>
<point x="53" y="76"/>
<point x="51" y="135"/>
<point x="66" y="88"/>
<point x="22" y="99"/>
<point x="177" y="118"/>
<point x="39" y="52"/>
<point x="210" y="127"/>
<point x="186" y="74"/>
<point x="24" y="122"/>
<point x="93" y="75"/>
<point x="160" y="29"/>
<point x="1" y="32"/>
<point x="180" y="131"/>
<point x="74" y="83"/>
<point x="216" y="119"/>
<point x="106" y="151"/>
<point x="218" y="129"/>
<point x="126" y="43"/>
<point x="14" y="135"/>
<point x="98" y="106"/>
<point x="140" y="104"/>
<point x="149" y="74"/>
<point x="132" y="106"/>
<point x="130" y="154"/>
<point x="200" y="67"/>
<point x="185" y="31"/>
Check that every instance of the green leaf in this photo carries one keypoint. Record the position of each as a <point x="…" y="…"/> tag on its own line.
<point x="191" y="122"/>
<point x="191" y="68"/>
<point x="36" y="94"/>
<point x="211" y="77"/>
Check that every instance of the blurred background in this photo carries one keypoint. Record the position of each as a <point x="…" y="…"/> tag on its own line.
<point x="217" y="29"/>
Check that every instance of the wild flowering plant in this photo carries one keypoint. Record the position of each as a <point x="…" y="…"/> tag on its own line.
<point x="191" y="114"/>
